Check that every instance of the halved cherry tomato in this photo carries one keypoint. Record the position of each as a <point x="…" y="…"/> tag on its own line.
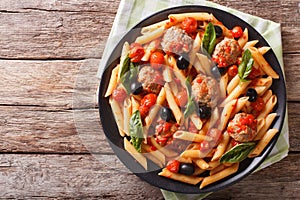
<point x="232" y="70"/>
<point x="234" y="143"/>
<point x="189" y="24"/>
<point x="157" y="59"/>
<point x="119" y="95"/>
<point x="173" y="166"/>
<point x="136" y="52"/>
<point x="181" y="98"/>
<point x="237" y="32"/>
<point x="146" y="103"/>
<point x="205" y="146"/>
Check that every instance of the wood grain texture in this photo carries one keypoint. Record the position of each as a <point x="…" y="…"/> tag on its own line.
<point x="78" y="176"/>
<point x="71" y="29"/>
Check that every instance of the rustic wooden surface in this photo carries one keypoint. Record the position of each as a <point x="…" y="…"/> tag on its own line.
<point x="49" y="124"/>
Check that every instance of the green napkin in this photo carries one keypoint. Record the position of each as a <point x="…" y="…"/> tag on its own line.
<point x="131" y="12"/>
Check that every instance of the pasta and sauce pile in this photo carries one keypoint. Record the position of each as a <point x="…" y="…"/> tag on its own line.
<point x="193" y="97"/>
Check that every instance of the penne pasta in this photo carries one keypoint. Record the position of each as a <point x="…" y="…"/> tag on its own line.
<point x="265" y="140"/>
<point x="149" y="36"/>
<point x="193" y="137"/>
<point x="180" y="177"/>
<point x="134" y="153"/>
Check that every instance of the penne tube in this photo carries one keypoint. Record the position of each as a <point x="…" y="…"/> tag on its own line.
<point x="202" y="164"/>
<point x="213" y="164"/>
<point x="265" y="140"/>
<point x="267" y="95"/>
<point x="180" y="177"/>
<point x="150" y="49"/>
<point x="117" y="111"/>
<point x="221" y="147"/>
<point x="268" y="107"/>
<point x="194" y="154"/>
<point x="220" y="175"/>
<point x="164" y="150"/>
<point x="195" y="49"/>
<point x="267" y="123"/>
<point x="240" y="88"/>
<point x="263" y="50"/>
<point x="196" y="121"/>
<point x="241" y="102"/>
<point x="167" y="74"/>
<point x="233" y="84"/>
<point x="148" y="37"/>
<point x="172" y="104"/>
<point x="127" y="108"/>
<point x="249" y="44"/>
<point x="223" y="86"/>
<point x="152" y="27"/>
<point x="198" y="171"/>
<point x="217" y="169"/>
<point x="188" y="136"/>
<point x="227" y="110"/>
<point x="124" y="53"/>
<point x="264" y="65"/>
<point x="243" y="39"/>
<point x="205" y="63"/>
<point x="135" y="104"/>
<point x="113" y="81"/>
<point x="134" y="153"/>
<point x="184" y="160"/>
<point x="160" y="158"/>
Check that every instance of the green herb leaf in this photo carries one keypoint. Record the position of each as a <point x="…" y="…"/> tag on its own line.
<point x="238" y="153"/>
<point x="129" y="71"/>
<point x="245" y="67"/>
<point x="190" y="106"/>
<point x="209" y="39"/>
<point x="136" y="130"/>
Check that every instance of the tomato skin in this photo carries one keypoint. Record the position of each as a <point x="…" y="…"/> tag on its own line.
<point x="119" y="95"/>
<point x="234" y="143"/>
<point x="181" y="98"/>
<point x="157" y="59"/>
<point x="189" y="24"/>
<point x="232" y="70"/>
<point x="173" y="166"/>
<point x="205" y="146"/>
<point x="136" y="52"/>
<point x="146" y="103"/>
<point x="237" y="32"/>
<point x="254" y="73"/>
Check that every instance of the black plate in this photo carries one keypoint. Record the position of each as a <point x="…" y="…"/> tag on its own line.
<point x="116" y="142"/>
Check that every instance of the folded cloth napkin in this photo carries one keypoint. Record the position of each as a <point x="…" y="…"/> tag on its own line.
<point x="131" y="12"/>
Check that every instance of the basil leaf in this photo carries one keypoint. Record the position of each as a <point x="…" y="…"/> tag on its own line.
<point x="136" y="130"/>
<point x="190" y="106"/>
<point x="209" y="39"/>
<point x="238" y="153"/>
<point x="245" y="66"/>
<point x="129" y="72"/>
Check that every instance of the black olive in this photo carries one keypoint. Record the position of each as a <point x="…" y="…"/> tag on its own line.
<point x="186" y="169"/>
<point x="218" y="71"/>
<point x="136" y="88"/>
<point x="252" y="94"/>
<point x="182" y="62"/>
<point x="167" y="114"/>
<point x="218" y="30"/>
<point x="204" y="112"/>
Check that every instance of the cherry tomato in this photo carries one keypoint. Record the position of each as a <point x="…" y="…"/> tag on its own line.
<point x="119" y="95"/>
<point x="136" y="52"/>
<point x="258" y="105"/>
<point x="146" y="103"/>
<point x="237" y="32"/>
<point x="181" y="98"/>
<point x="157" y="59"/>
<point x="189" y="24"/>
<point x="173" y="166"/>
<point x="232" y="70"/>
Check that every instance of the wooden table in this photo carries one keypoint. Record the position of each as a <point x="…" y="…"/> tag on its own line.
<point x="49" y="124"/>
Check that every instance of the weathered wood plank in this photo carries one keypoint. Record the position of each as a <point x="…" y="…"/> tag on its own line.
<point x="33" y="129"/>
<point x="84" y="176"/>
<point x="57" y="84"/>
<point x="71" y="29"/>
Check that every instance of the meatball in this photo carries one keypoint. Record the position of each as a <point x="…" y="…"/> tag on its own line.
<point x="175" y="40"/>
<point x="243" y="127"/>
<point x="226" y="52"/>
<point x="151" y="79"/>
<point x="205" y="90"/>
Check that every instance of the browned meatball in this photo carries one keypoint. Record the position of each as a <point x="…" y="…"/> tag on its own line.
<point x="175" y="40"/>
<point x="205" y="90"/>
<point x="151" y="79"/>
<point x="227" y="52"/>
<point x="243" y="127"/>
